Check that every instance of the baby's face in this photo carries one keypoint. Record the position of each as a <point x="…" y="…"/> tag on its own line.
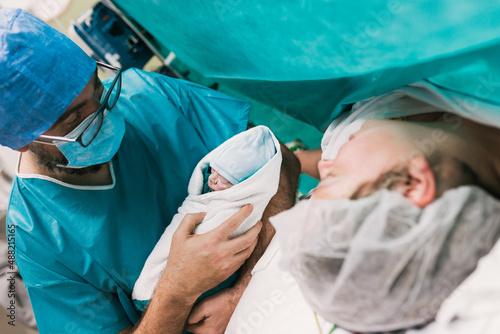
<point x="218" y="182"/>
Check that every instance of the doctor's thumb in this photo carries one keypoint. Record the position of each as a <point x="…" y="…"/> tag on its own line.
<point x="189" y="222"/>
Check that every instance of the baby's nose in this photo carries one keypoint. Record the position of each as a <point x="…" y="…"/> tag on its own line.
<point x="212" y="178"/>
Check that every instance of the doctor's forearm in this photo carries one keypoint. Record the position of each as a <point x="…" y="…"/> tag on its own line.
<point x="166" y="313"/>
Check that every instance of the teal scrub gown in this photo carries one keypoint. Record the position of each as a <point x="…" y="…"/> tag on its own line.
<point x="81" y="248"/>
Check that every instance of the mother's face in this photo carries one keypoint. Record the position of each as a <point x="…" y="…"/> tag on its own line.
<point x="378" y="147"/>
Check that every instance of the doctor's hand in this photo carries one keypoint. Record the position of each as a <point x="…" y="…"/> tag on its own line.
<point x="212" y="314"/>
<point x="197" y="263"/>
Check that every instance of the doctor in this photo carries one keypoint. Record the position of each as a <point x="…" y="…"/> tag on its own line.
<point x="103" y="168"/>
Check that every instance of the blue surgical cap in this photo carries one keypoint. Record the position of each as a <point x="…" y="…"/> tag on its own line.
<point x="41" y="73"/>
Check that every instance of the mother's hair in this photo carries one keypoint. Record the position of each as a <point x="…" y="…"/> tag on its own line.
<point x="448" y="173"/>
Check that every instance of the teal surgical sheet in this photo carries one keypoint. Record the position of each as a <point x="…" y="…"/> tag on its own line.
<point x="311" y="59"/>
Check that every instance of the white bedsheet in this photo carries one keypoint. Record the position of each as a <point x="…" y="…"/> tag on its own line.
<point x="273" y="303"/>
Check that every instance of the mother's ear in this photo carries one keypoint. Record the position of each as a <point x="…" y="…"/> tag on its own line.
<point x="420" y="188"/>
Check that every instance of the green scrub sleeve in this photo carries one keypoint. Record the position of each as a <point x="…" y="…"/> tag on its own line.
<point x="215" y="115"/>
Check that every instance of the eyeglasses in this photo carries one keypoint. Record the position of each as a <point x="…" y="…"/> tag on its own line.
<point x="90" y="131"/>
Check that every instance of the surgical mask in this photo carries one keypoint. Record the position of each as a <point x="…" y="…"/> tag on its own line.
<point x="104" y="146"/>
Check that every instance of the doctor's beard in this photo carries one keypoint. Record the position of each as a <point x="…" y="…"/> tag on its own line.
<point x="49" y="159"/>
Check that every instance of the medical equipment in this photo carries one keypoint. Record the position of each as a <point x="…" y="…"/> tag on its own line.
<point x="106" y="37"/>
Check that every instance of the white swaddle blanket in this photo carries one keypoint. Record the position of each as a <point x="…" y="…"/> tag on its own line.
<point x="219" y="206"/>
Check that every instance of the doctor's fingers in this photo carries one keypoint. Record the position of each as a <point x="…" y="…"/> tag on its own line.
<point x="232" y="263"/>
<point x="189" y="222"/>
<point x="231" y="224"/>
<point x="242" y="256"/>
<point x="244" y="241"/>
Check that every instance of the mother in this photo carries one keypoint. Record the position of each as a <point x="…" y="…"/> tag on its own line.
<point x="371" y="260"/>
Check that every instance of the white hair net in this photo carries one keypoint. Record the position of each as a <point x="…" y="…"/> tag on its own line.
<point x="380" y="263"/>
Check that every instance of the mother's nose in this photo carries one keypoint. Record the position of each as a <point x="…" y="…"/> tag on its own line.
<point x="324" y="166"/>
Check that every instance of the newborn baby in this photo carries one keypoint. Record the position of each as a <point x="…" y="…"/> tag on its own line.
<point x="240" y="160"/>
<point x="217" y="187"/>
<point x="218" y="182"/>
